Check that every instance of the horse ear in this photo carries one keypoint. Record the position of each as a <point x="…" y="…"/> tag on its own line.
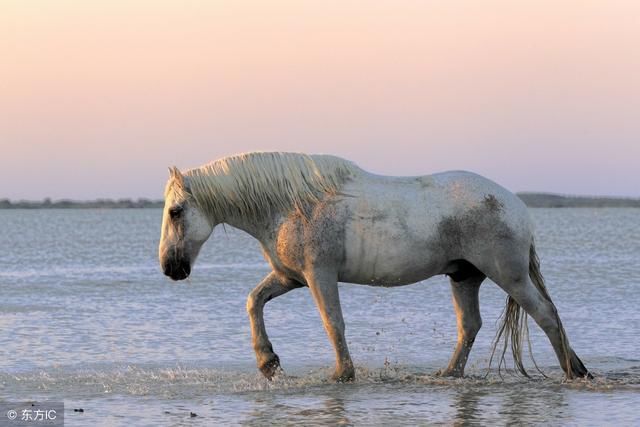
<point x="175" y="173"/>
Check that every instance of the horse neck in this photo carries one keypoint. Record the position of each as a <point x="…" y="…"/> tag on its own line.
<point x="259" y="228"/>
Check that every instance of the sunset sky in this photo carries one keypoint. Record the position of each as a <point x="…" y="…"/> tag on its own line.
<point x="97" y="98"/>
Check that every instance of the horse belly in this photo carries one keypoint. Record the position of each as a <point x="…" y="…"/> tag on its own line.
<point x="381" y="253"/>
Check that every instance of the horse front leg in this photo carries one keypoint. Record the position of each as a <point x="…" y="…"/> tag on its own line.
<point x="324" y="288"/>
<point x="271" y="286"/>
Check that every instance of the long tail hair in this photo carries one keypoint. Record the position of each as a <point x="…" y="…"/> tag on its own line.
<point x="514" y="329"/>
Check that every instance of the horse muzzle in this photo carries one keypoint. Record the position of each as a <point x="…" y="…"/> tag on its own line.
<point x="178" y="270"/>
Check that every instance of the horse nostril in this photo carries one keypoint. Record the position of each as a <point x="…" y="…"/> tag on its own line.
<point x="166" y="269"/>
<point x="178" y="270"/>
<point x="181" y="270"/>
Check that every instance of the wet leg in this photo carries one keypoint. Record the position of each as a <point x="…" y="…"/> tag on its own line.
<point x="467" y="308"/>
<point x="324" y="288"/>
<point x="546" y="316"/>
<point x="270" y="287"/>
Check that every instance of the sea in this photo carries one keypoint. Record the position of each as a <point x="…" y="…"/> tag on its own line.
<point x="87" y="319"/>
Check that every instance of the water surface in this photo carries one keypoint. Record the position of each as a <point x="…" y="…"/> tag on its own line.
<point x="87" y="317"/>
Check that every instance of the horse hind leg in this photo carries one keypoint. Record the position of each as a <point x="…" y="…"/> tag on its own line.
<point x="465" y="287"/>
<point x="570" y="362"/>
<point x="527" y="294"/>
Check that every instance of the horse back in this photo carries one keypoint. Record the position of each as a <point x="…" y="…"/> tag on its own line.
<point x="398" y="230"/>
<point x="402" y="230"/>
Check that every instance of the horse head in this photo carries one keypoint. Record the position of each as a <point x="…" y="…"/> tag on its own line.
<point x="185" y="227"/>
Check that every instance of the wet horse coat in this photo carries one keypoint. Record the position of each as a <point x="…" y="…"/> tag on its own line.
<point x="321" y="220"/>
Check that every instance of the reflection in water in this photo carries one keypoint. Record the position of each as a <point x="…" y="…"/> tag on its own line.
<point x="332" y="412"/>
<point x="421" y="399"/>
<point x="335" y="409"/>
<point x="533" y="405"/>
<point x="320" y="409"/>
<point x="466" y="402"/>
<point x="405" y="398"/>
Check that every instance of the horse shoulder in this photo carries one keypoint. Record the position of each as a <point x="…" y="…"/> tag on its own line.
<point x="301" y="243"/>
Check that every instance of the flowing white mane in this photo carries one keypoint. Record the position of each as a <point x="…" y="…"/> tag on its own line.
<point x="254" y="184"/>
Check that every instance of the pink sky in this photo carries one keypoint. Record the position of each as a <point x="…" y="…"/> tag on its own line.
<point x="97" y="98"/>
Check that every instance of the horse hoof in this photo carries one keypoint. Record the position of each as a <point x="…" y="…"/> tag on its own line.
<point x="345" y="377"/>
<point x="270" y="367"/>
<point x="577" y="368"/>
<point x="449" y="373"/>
<point x="583" y="374"/>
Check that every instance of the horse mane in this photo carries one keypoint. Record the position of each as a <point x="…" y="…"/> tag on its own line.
<point x="261" y="183"/>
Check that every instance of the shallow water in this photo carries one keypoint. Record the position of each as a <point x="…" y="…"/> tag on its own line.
<point x="87" y="317"/>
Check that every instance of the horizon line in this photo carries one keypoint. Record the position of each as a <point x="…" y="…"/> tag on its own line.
<point x="50" y="200"/>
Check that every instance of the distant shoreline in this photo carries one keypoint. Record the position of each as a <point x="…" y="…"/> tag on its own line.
<point x="550" y="200"/>
<point x="533" y="200"/>
<point x="76" y="204"/>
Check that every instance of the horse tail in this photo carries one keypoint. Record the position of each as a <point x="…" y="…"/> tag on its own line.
<point x="514" y="328"/>
<point x="513" y="324"/>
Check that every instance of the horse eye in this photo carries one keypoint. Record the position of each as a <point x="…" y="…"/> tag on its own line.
<point x="175" y="212"/>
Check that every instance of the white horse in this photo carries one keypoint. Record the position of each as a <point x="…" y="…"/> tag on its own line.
<point x="321" y="219"/>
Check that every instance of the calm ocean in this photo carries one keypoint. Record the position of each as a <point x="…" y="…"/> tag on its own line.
<point x="88" y="318"/>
